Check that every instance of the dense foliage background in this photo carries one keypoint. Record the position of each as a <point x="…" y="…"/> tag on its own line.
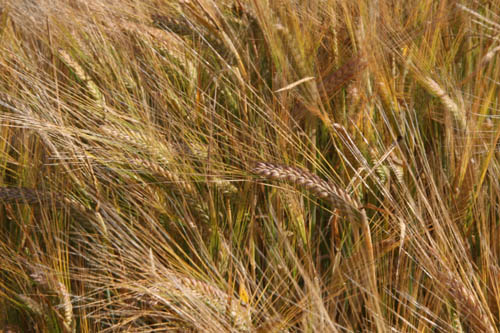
<point x="260" y="166"/>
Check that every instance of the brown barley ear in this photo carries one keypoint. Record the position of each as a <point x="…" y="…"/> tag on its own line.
<point x="321" y="188"/>
<point x="178" y="25"/>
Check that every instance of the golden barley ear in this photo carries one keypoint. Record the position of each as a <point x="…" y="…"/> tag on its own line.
<point x="219" y="300"/>
<point x="341" y="200"/>
<point x="184" y="290"/>
<point x="321" y="188"/>
<point x="52" y="284"/>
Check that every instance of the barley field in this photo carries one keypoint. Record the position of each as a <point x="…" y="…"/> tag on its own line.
<point x="249" y="166"/>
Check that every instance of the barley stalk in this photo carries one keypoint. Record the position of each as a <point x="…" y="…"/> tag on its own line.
<point x="342" y="200"/>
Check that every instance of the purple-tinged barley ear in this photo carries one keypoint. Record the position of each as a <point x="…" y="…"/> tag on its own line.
<point x="467" y="302"/>
<point x="333" y="82"/>
<point x="22" y="195"/>
<point x="28" y="196"/>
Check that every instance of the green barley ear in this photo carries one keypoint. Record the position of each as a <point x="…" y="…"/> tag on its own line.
<point x="387" y="164"/>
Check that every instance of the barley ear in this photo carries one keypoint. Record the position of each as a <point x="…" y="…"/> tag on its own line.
<point x="341" y="200"/>
<point x="21" y="195"/>
<point x="303" y="178"/>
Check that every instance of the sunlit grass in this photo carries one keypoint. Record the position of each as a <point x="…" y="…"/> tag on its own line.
<point x="219" y="166"/>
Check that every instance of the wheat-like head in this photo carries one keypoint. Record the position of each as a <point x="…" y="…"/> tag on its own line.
<point x="178" y="291"/>
<point x="323" y="189"/>
<point x="340" y="199"/>
<point x="52" y="284"/>
<point x="21" y="194"/>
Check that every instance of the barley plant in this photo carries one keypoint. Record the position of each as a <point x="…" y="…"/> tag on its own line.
<point x="249" y="166"/>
